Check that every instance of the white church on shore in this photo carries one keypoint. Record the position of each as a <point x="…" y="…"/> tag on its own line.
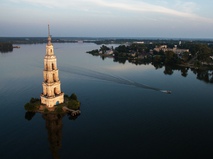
<point x="52" y="94"/>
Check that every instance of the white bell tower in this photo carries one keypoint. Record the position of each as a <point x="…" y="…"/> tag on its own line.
<point x="52" y="94"/>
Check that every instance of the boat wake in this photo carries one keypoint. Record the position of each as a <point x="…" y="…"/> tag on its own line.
<point x="108" y="77"/>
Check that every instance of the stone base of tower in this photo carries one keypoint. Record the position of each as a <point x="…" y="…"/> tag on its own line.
<point x="52" y="101"/>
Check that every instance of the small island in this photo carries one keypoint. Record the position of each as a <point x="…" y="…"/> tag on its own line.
<point x="71" y="105"/>
<point x="6" y="47"/>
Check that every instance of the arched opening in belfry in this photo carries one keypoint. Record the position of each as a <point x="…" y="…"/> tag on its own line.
<point x="54" y="77"/>
<point x="55" y="91"/>
<point x="46" y="67"/>
<point x="53" y="66"/>
<point x="45" y="77"/>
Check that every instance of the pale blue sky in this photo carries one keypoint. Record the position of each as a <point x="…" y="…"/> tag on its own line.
<point x="107" y="18"/>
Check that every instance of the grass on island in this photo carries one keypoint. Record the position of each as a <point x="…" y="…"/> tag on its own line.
<point x="70" y="102"/>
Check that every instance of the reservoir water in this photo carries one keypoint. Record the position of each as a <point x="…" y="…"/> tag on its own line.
<point x="123" y="113"/>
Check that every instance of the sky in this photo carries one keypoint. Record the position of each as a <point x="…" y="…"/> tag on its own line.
<point x="107" y="18"/>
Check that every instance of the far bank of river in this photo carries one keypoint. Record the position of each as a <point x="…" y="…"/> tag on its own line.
<point x="203" y="70"/>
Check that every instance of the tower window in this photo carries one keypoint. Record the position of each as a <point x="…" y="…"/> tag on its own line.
<point x="53" y="66"/>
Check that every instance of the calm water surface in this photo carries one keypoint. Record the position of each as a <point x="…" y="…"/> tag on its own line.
<point x="118" y="120"/>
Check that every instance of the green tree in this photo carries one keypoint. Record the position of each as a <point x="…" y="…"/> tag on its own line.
<point x="6" y="47"/>
<point x="169" y="56"/>
<point x="104" y="48"/>
<point x="203" y="52"/>
<point x="122" y="49"/>
<point x="73" y="96"/>
<point x="185" y="56"/>
<point x="31" y="107"/>
<point x="73" y="104"/>
<point x="33" y="100"/>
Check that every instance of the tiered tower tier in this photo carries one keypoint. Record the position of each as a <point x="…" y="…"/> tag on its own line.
<point x="52" y="94"/>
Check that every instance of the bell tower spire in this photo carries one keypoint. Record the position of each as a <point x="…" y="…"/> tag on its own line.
<point x="49" y="36"/>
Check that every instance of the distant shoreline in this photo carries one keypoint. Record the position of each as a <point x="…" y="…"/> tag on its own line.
<point x="97" y="40"/>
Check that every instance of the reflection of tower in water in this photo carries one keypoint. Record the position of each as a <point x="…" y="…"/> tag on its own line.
<point x="54" y="128"/>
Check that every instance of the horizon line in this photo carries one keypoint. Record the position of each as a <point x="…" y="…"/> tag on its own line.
<point x="109" y="37"/>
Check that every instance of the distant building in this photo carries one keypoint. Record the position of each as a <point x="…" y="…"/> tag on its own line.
<point x="139" y="42"/>
<point x="179" y="51"/>
<point x="162" y="47"/>
<point x="109" y="52"/>
<point x="174" y="49"/>
<point x="52" y="94"/>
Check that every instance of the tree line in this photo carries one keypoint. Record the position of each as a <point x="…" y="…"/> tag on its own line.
<point x="6" y="47"/>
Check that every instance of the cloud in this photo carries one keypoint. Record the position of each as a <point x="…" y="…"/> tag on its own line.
<point x="178" y="8"/>
<point x="186" y="8"/>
